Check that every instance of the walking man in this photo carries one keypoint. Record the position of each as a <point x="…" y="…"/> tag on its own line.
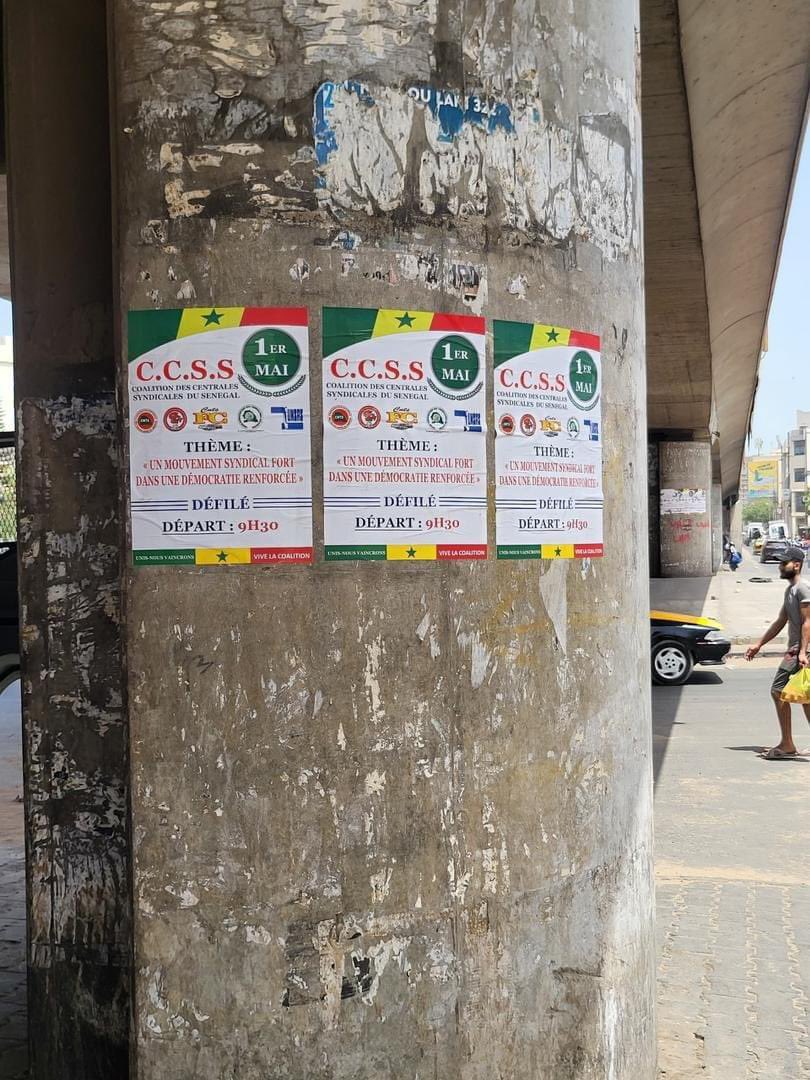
<point x="796" y="614"/>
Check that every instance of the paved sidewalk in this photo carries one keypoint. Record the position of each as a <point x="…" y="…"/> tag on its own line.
<point x="733" y="883"/>
<point x="13" y="1034"/>
<point x="745" y="607"/>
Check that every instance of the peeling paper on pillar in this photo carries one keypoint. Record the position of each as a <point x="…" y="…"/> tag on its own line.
<point x="548" y="442"/>
<point x="219" y="436"/>
<point x="568" y="184"/>
<point x="683" y="501"/>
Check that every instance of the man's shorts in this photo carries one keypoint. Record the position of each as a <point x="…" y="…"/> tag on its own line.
<point x="783" y="673"/>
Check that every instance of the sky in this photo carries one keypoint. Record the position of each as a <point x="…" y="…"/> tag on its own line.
<point x="784" y="374"/>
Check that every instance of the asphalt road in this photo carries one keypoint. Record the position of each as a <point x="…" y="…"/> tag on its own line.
<point x="717" y="803"/>
<point x="733" y="881"/>
<point x="751" y="566"/>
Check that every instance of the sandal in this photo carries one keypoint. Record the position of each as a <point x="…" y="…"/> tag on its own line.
<point x="775" y="754"/>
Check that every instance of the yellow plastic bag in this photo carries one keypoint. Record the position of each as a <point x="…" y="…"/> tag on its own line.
<point x="797" y="691"/>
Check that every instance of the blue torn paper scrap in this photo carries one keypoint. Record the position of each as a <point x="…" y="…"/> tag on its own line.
<point x="452" y="110"/>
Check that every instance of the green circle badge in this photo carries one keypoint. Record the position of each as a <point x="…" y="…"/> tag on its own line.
<point x="271" y="357"/>
<point x="583" y="378"/>
<point x="455" y="362"/>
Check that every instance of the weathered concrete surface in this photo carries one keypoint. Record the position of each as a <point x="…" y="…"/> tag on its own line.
<point x="392" y="821"/>
<point x="686" y="536"/>
<point x="69" y="542"/>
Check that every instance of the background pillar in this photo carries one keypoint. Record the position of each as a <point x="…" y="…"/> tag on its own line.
<point x="75" y="745"/>
<point x="736" y="523"/>
<point x="717" y="526"/>
<point x="686" y="527"/>
<point x="393" y="821"/>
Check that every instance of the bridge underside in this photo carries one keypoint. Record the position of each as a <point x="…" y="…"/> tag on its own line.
<point x="724" y="97"/>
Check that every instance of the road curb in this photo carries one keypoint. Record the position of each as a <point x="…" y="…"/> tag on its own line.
<point x="737" y="654"/>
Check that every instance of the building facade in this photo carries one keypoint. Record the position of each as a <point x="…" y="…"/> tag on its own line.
<point x="796" y="489"/>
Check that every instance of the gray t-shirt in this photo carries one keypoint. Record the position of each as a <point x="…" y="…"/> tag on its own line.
<point x="796" y="595"/>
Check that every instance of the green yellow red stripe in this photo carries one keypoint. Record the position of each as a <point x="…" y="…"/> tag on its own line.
<point x="405" y="552"/>
<point x="344" y="327"/>
<point x="225" y="556"/>
<point x="400" y="320"/>
<point x="516" y="338"/>
<point x="149" y="329"/>
<point x="550" y="551"/>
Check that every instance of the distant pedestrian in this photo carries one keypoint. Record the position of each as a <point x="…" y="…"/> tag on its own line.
<point x="795" y="614"/>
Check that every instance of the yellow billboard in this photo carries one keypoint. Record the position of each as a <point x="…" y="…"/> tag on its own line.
<point x="763" y="477"/>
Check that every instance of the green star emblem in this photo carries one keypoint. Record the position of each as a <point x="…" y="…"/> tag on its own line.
<point x="411" y="553"/>
<point x="552" y="335"/>
<point x="405" y="319"/>
<point x="222" y="556"/>
<point x="213" y="316"/>
<point x="558" y="551"/>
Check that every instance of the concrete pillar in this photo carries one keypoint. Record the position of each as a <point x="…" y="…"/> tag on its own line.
<point x="686" y="526"/>
<point x="736" y="523"/>
<point x="393" y="820"/>
<point x="653" y="510"/>
<point x="717" y="526"/>
<point x="79" y="933"/>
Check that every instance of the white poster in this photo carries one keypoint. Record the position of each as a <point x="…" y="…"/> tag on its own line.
<point x="548" y="442"/>
<point x="219" y="426"/>
<point x="404" y="450"/>
<point x="683" y="501"/>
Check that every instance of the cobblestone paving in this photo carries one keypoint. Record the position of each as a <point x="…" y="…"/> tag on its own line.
<point x="733" y="884"/>
<point x="734" y="980"/>
<point x="13" y="1037"/>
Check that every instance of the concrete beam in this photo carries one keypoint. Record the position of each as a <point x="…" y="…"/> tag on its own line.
<point x="747" y="74"/>
<point x="679" y="363"/>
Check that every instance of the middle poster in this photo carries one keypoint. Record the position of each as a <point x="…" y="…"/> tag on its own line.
<point x="404" y="450"/>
